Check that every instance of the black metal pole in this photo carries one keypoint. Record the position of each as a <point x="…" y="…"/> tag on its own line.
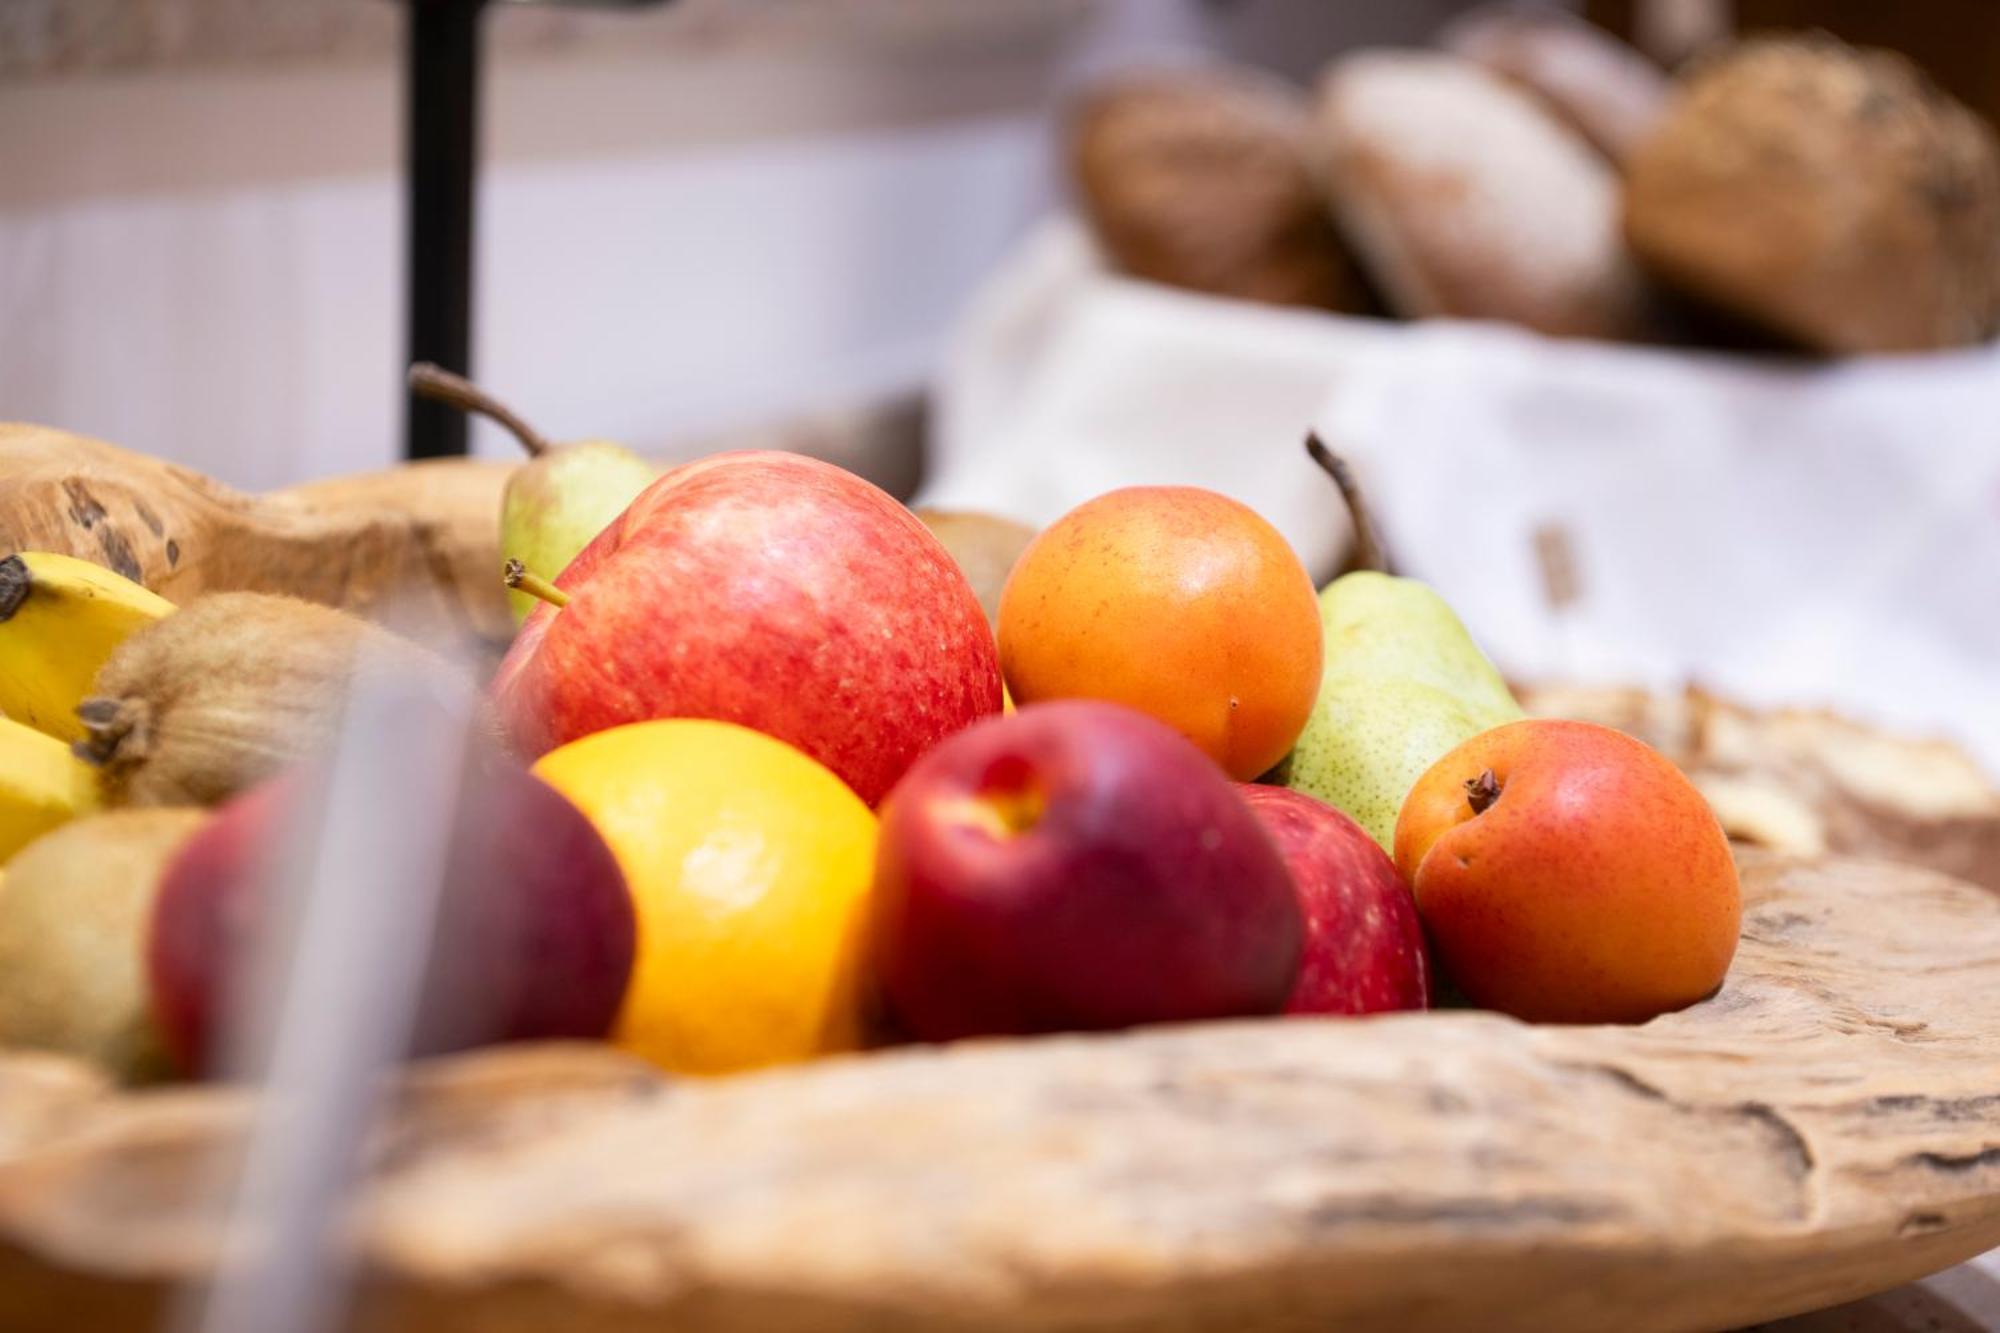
<point x="442" y="109"/>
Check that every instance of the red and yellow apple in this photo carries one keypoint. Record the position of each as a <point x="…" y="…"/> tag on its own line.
<point x="1364" y="947"/>
<point x="1076" y="865"/>
<point x="769" y="590"/>
<point x="1568" y="873"/>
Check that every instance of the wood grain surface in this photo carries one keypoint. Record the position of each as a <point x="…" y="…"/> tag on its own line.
<point x="424" y="536"/>
<point x="1826" y="1127"/>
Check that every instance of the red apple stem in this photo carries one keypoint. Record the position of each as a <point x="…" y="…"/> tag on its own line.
<point x="517" y="577"/>
<point x="440" y="385"/>
<point x="1369" y="552"/>
<point x="1481" y="792"/>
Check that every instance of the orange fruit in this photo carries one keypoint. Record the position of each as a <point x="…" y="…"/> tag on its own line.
<point x="750" y="865"/>
<point x="1176" y="601"/>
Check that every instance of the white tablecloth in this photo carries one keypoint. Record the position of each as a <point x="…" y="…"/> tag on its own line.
<point x="1786" y="533"/>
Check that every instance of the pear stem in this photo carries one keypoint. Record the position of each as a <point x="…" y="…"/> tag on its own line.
<point x="437" y="383"/>
<point x="517" y="577"/>
<point x="1369" y="553"/>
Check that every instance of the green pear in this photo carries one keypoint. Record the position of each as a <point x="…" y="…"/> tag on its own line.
<point x="1399" y="629"/>
<point x="558" y="503"/>
<point x="1403" y="685"/>
<point x="564" y="495"/>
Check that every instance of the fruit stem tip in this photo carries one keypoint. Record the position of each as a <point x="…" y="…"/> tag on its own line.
<point x="1369" y="553"/>
<point x="15" y="580"/>
<point x="517" y="577"/>
<point x="430" y="380"/>
<point x="1481" y="792"/>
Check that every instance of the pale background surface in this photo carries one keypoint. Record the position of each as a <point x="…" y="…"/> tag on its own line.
<point x="708" y="215"/>
<point x="1790" y="534"/>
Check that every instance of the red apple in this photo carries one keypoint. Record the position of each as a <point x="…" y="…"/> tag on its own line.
<point x="1364" y="946"/>
<point x="769" y="590"/>
<point x="533" y="938"/>
<point x="1568" y="873"/>
<point x="1076" y="865"/>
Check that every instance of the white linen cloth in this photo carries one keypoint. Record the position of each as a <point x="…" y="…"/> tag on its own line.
<point x="1784" y="532"/>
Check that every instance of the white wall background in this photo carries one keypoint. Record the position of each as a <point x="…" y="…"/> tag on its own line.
<point x="206" y="263"/>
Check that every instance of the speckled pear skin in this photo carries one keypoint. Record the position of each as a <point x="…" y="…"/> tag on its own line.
<point x="1381" y="626"/>
<point x="556" y="503"/>
<point x="1404" y="684"/>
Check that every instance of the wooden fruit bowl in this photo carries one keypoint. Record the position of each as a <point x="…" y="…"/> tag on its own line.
<point x="1825" y="1127"/>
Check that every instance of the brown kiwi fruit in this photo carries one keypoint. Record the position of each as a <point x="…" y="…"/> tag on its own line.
<point x="74" y="911"/>
<point x="226" y="692"/>
<point x="985" y="547"/>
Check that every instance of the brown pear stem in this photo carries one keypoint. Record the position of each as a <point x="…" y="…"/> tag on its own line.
<point x="517" y="577"/>
<point x="1481" y="792"/>
<point x="1369" y="553"/>
<point x="437" y="383"/>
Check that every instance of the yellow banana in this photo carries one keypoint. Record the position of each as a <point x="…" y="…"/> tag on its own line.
<point x="41" y="785"/>
<point x="60" y="617"/>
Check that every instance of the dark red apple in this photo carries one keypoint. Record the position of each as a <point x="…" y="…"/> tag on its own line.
<point x="769" y="590"/>
<point x="1364" y="948"/>
<point x="533" y="938"/>
<point x="1076" y="865"/>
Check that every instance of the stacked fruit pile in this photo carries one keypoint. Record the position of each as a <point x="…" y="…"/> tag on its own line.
<point x="759" y="792"/>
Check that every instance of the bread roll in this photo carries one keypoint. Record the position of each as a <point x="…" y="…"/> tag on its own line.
<point x="1600" y="87"/>
<point x="1833" y="196"/>
<point x="1198" y="178"/>
<point x="1463" y="197"/>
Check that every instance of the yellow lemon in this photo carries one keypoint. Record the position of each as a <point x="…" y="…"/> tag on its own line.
<point x="749" y="864"/>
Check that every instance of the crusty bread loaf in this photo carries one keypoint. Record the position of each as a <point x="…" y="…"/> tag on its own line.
<point x="1198" y="178"/>
<point x="1833" y="196"/>
<point x="1603" y="89"/>
<point x="1463" y="197"/>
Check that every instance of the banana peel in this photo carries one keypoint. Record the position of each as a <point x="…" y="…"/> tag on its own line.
<point x="60" y="618"/>
<point x="42" y="785"/>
